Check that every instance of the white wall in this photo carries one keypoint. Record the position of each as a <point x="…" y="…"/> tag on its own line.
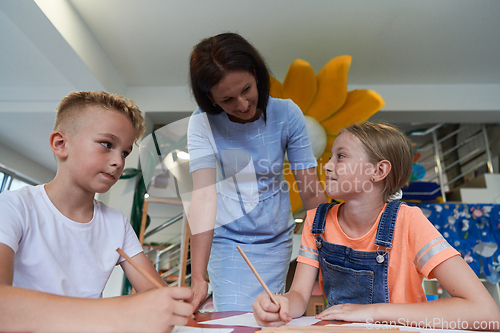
<point x="478" y="103"/>
<point x="21" y="164"/>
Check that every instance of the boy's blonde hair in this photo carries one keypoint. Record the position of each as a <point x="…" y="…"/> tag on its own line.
<point x="73" y="105"/>
<point x="385" y="142"/>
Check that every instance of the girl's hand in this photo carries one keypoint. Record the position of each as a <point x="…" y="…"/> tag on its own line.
<point x="267" y="313"/>
<point x="348" y="312"/>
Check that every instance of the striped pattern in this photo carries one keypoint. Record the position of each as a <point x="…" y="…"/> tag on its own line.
<point x="308" y="252"/>
<point x="429" y="250"/>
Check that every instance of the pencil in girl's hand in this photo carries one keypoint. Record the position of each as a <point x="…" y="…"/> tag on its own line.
<point x="257" y="275"/>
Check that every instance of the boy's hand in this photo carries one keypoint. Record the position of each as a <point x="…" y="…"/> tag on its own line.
<point x="157" y="310"/>
<point x="347" y="312"/>
<point x="267" y="313"/>
<point x="200" y="289"/>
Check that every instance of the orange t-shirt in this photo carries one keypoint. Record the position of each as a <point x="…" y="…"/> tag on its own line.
<point x="417" y="248"/>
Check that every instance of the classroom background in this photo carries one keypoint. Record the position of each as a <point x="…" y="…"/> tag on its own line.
<point x="434" y="64"/>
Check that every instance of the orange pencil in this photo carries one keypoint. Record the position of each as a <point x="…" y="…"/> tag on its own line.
<point x="139" y="269"/>
<point x="142" y="271"/>
<point x="257" y="275"/>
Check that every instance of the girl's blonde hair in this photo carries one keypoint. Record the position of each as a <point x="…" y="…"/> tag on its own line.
<point x="385" y="142"/>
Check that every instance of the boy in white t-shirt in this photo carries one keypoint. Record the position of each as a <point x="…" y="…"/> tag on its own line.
<point x="58" y="245"/>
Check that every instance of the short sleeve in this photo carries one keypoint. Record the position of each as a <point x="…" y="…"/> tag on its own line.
<point x="131" y="244"/>
<point x="200" y="142"/>
<point x="308" y="253"/>
<point x="11" y="223"/>
<point x="299" y="149"/>
<point x="430" y="247"/>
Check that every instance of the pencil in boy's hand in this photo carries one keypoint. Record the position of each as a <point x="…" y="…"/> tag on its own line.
<point x="139" y="269"/>
<point x="142" y="271"/>
<point x="257" y="275"/>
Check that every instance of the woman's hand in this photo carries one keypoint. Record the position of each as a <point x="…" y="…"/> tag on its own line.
<point x="348" y="312"/>
<point x="202" y="215"/>
<point x="200" y="289"/>
<point x="267" y="313"/>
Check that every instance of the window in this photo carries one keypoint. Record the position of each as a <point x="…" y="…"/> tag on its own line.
<point x="10" y="180"/>
<point x="17" y="184"/>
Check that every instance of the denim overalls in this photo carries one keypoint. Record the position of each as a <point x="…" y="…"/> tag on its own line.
<point x="350" y="276"/>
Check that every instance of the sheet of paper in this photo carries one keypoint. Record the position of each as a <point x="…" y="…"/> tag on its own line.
<point x="247" y="319"/>
<point x="303" y="321"/>
<point x="187" y="329"/>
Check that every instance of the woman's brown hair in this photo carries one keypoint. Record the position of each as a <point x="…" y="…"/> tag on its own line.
<point x="214" y="57"/>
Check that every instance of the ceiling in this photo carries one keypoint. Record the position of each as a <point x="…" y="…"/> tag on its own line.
<point x="431" y="61"/>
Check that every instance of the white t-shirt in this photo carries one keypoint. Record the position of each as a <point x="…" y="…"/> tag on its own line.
<point x="57" y="255"/>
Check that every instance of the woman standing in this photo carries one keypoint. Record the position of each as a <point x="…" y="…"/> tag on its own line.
<point x="237" y="140"/>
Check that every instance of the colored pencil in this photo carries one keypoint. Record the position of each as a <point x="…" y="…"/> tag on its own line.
<point x="257" y="275"/>
<point x="139" y="269"/>
<point x="142" y="271"/>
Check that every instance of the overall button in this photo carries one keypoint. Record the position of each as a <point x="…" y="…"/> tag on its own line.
<point x="380" y="258"/>
<point x="318" y="244"/>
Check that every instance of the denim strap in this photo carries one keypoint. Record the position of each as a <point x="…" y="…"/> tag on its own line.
<point x="319" y="222"/>
<point x="385" y="229"/>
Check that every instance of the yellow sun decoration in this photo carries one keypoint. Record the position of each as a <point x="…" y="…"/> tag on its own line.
<point x="327" y="106"/>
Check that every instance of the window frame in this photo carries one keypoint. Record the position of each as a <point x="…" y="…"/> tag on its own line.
<point x="8" y="178"/>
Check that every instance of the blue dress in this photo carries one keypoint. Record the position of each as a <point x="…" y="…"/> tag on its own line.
<point x="253" y="208"/>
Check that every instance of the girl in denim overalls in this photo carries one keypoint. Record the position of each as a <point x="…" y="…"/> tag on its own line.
<point x="374" y="251"/>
